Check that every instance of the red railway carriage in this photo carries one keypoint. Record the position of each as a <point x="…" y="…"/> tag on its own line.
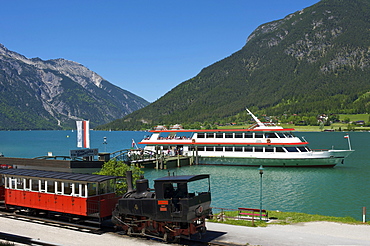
<point x="70" y="193"/>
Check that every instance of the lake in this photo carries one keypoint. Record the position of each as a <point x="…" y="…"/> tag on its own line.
<point x="339" y="191"/>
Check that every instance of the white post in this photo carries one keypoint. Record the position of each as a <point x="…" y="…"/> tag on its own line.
<point x="349" y="141"/>
<point x="363" y="214"/>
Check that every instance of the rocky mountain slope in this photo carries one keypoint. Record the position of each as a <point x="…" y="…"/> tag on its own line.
<point x="316" y="60"/>
<point x="53" y="94"/>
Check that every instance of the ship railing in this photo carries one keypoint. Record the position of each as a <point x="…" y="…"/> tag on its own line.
<point x="319" y="150"/>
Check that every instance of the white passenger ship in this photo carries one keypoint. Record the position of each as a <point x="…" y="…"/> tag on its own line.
<point x="262" y="144"/>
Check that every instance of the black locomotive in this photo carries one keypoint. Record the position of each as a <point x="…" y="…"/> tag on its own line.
<point x="177" y="207"/>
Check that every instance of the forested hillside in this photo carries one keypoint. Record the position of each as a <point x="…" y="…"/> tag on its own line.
<point x="316" y="60"/>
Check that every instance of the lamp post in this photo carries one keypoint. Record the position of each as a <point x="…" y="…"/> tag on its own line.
<point x="261" y="173"/>
<point x="105" y="144"/>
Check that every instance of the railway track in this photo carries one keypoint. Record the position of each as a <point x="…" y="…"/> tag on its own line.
<point x="51" y="222"/>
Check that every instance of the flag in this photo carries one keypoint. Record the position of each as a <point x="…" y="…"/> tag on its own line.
<point x="133" y="143"/>
<point x="83" y="134"/>
<point x="86" y="129"/>
<point x="346" y="136"/>
<point x="79" y="134"/>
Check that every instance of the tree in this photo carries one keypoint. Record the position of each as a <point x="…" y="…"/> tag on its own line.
<point x="119" y="168"/>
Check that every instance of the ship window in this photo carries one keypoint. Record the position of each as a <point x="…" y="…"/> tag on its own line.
<point x="229" y="149"/>
<point x="229" y="135"/>
<point x="248" y="135"/>
<point x="258" y="149"/>
<point x="302" y="149"/>
<point x="210" y="135"/>
<point x="291" y="149"/>
<point x="200" y="148"/>
<point x="279" y="149"/>
<point x="200" y="135"/>
<point x="258" y="135"/>
<point x="281" y="135"/>
<point x="219" y="135"/>
<point x="269" y="149"/>
<point x="238" y="149"/>
<point x="238" y="135"/>
<point x="248" y="149"/>
<point x="220" y="149"/>
<point x="289" y="135"/>
<point x="210" y="148"/>
<point x="271" y="135"/>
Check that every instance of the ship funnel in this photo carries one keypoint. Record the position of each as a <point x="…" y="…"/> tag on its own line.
<point x="130" y="186"/>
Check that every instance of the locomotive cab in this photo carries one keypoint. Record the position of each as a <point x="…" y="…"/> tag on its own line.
<point x="183" y="197"/>
<point x="177" y="207"/>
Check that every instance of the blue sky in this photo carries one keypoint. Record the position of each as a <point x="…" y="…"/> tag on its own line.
<point x="144" y="46"/>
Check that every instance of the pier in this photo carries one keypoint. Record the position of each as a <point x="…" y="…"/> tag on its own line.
<point x="138" y="157"/>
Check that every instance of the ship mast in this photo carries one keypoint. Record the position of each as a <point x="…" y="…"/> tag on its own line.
<point x="255" y="118"/>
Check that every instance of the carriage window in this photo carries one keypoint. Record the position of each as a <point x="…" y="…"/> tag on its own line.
<point x="258" y="149"/>
<point x="219" y="135"/>
<point x="19" y="184"/>
<point x="280" y="149"/>
<point x="35" y="185"/>
<point x="27" y="184"/>
<point x="238" y="135"/>
<point x="42" y="185"/>
<point x="291" y="149"/>
<point x="229" y="149"/>
<point x="220" y="149"/>
<point x="248" y="135"/>
<point x="248" y="149"/>
<point x="210" y="135"/>
<point x="238" y="149"/>
<point x="200" y="135"/>
<point x="91" y="187"/>
<point x="58" y="186"/>
<point x="67" y="187"/>
<point x="50" y="187"/>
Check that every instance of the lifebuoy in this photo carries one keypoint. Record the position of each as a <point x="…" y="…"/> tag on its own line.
<point x="268" y="140"/>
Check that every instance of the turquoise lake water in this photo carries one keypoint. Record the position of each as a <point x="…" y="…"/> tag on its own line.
<point x="339" y="191"/>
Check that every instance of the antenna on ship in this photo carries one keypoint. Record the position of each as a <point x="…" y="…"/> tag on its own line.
<point x="255" y="118"/>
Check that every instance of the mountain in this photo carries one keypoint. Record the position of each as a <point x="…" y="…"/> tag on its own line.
<point x="53" y="94"/>
<point x="316" y="60"/>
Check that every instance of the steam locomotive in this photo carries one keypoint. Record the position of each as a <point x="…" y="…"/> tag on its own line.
<point x="177" y="207"/>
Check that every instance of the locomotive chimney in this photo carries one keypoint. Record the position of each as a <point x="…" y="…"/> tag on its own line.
<point x="130" y="186"/>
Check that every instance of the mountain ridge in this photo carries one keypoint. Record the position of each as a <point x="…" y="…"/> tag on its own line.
<point x="52" y="94"/>
<point x="315" y="60"/>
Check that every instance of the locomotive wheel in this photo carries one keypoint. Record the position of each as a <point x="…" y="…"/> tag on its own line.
<point x="165" y="237"/>
<point x="129" y="231"/>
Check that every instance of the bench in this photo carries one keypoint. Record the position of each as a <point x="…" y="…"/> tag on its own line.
<point x="252" y="213"/>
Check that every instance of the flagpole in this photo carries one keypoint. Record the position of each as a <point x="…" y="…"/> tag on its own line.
<point x="349" y="141"/>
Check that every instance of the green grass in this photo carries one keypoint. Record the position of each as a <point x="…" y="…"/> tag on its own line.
<point x="335" y="127"/>
<point x="283" y="218"/>
<point x="355" y="117"/>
